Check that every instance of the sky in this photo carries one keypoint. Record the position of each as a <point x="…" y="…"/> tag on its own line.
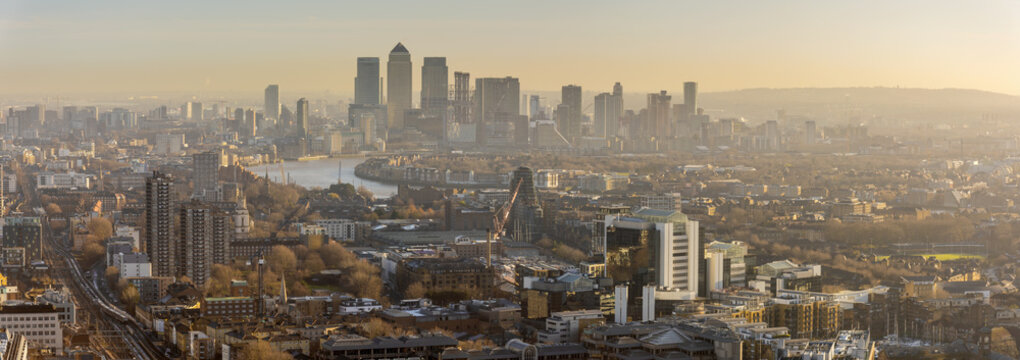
<point x="71" y="46"/>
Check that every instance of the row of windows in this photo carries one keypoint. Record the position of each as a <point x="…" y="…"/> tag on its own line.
<point x="27" y="318"/>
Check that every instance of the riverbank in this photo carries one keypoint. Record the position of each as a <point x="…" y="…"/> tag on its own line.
<point x="323" y="172"/>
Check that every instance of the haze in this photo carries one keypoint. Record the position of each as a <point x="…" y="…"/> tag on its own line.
<point x="58" y="47"/>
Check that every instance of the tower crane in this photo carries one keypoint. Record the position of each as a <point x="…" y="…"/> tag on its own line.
<point x="499" y="220"/>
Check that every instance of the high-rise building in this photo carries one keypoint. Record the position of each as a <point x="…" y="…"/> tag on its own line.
<point x="196" y="112"/>
<point x="658" y="123"/>
<point x="203" y="239"/>
<point x="691" y="97"/>
<point x="608" y="112"/>
<point x="249" y="125"/>
<point x="301" y="118"/>
<point x="570" y="124"/>
<point x="653" y="247"/>
<point x="810" y="132"/>
<point x="159" y="240"/>
<point x="25" y="233"/>
<point x="497" y="102"/>
<point x="462" y="98"/>
<point x="534" y="107"/>
<point x="206" y="167"/>
<point x="435" y="84"/>
<point x="526" y="212"/>
<point x="367" y="84"/>
<point x="398" y="85"/>
<point x="272" y="103"/>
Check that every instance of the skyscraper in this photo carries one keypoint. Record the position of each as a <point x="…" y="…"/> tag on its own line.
<point x="196" y="112"/>
<point x="462" y="97"/>
<point x="691" y="97"/>
<point x="497" y="101"/>
<point x="435" y="83"/>
<point x="614" y="112"/>
<point x="366" y="84"/>
<point x="570" y="125"/>
<point x="526" y="212"/>
<point x="534" y="105"/>
<point x="398" y="85"/>
<point x="203" y="239"/>
<point x="272" y="103"/>
<point x="206" y="167"/>
<point x="810" y="132"/>
<point x="658" y="123"/>
<point x="159" y="240"/>
<point x="301" y="118"/>
<point x="248" y="124"/>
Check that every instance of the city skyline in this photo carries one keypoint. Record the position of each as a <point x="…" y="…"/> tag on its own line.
<point x="725" y="46"/>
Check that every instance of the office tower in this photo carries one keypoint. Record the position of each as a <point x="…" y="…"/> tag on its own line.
<point x="398" y="85"/>
<point x="654" y="247"/>
<point x="601" y="113"/>
<point x="159" y="240"/>
<point x="206" y="168"/>
<point x="272" y="103"/>
<point x="658" y="123"/>
<point x="614" y="113"/>
<point x="772" y="135"/>
<point x="691" y="97"/>
<point x="196" y="112"/>
<point x="809" y="132"/>
<point x="25" y="233"/>
<point x="435" y="84"/>
<point x="526" y="212"/>
<point x="366" y="84"/>
<point x="203" y="239"/>
<point x="534" y="107"/>
<point x="496" y="105"/>
<point x="301" y="118"/>
<point x="248" y="124"/>
<point x="462" y="98"/>
<point x="570" y="125"/>
<point x="608" y="112"/>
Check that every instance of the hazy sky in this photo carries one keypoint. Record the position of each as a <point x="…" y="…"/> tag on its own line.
<point x="73" y="46"/>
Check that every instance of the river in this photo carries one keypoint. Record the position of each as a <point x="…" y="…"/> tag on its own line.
<point x="323" y="173"/>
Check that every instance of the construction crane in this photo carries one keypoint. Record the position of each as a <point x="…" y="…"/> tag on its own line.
<point x="259" y="261"/>
<point x="499" y="220"/>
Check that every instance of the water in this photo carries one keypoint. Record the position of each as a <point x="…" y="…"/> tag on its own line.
<point x="323" y="173"/>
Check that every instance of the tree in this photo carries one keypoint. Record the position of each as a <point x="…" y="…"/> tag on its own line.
<point x="376" y="327"/>
<point x="313" y="264"/>
<point x="100" y="228"/>
<point x="365" y="285"/>
<point x="111" y="275"/>
<point x="262" y="350"/>
<point x="53" y="209"/>
<point x="365" y="193"/>
<point x="282" y="260"/>
<point x="336" y="256"/>
<point x="91" y="254"/>
<point x="130" y="297"/>
<point x="414" y="291"/>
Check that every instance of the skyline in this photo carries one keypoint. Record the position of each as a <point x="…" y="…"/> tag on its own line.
<point x="68" y="48"/>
